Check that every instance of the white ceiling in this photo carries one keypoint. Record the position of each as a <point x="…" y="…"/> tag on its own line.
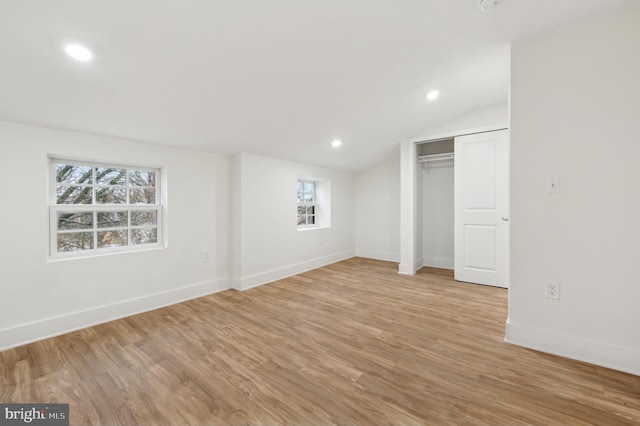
<point x="273" y="77"/>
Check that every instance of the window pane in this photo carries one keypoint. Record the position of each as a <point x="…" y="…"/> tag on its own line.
<point x="300" y="197"/>
<point x="311" y="209"/>
<point x="109" y="176"/>
<point x="75" y="241"/>
<point x="144" y="236"/>
<point x="301" y="219"/>
<point x="311" y="220"/>
<point x="66" y="173"/>
<point x="309" y="187"/>
<point x="301" y="209"/>
<point x="142" y="178"/>
<point x="100" y="206"/>
<point x="308" y="198"/>
<point x="112" y="238"/>
<point x="73" y="195"/>
<point x="142" y="196"/>
<point x="75" y="220"/>
<point x="141" y="218"/>
<point x="300" y="186"/>
<point x="112" y="219"/>
<point x="111" y="195"/>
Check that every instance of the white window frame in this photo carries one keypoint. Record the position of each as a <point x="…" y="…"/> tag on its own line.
<point x="95" y="207"/>
<point x="321" y="203"/>
<point x="306" y="204"/>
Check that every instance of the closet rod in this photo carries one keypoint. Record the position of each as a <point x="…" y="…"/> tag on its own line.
<point x="424" y="160"/>
<point x="435" y="157"/>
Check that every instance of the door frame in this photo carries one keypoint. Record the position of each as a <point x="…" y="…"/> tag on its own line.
<point x="410" y="252"/>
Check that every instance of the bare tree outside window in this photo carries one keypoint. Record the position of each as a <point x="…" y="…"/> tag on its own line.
<point x="98" y="207"/>
<point x="307" y="206"/>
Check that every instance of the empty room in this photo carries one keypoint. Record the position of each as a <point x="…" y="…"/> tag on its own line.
<point x="416" y="212"/>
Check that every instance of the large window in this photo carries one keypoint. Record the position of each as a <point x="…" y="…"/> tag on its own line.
<point x="100" y="208"/>
<point x="307" y="205"/>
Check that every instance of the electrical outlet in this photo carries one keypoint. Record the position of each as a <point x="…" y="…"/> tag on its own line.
<point x="552" y="290"/>
<point x="552" y="185"/>
<point x="205" y="256"/>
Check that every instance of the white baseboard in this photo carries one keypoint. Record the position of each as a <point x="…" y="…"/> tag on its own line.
<point x="405" y="269"/>
<point x="438" y="262"/>
<point x="378" y="255"/>
<point x="598" y="353"/>
<point x="256" y="280"/>
<point x="43" y="329"/>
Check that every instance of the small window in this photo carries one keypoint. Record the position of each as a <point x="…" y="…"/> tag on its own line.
<point x="307" y="203"/>
<point x="99" y="208"/>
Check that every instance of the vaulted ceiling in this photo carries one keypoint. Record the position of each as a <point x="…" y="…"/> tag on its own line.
<point x="274" y="77"/>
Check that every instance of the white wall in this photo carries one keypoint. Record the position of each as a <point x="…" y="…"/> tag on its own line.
<point x="575" y="99"/>
<point x="494" y="117"/>
<point x="437" y="216"/>
<point x="42" y="298"/>
<point x="268" y="244"/>
<point x="258" y="244"/>
<point x="378" y="211"/>
<point x="378" y="201"/>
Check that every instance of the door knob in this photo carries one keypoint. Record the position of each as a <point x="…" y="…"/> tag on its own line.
<point x="505" y="219"/>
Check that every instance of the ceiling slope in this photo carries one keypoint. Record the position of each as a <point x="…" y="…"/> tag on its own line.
<point x="281" y="78"/>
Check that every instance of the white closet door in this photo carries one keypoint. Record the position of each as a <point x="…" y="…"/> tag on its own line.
<point x="481" y="225"/>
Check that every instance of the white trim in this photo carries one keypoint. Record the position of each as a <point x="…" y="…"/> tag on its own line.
<point x="43" y="329"/>
<point x="408" y="202"/>
<point x="312" y="228"/>
<point x="410" y="269"/>
<point x="405" y="269"/>
<point x="94" y="208"/>
<point x="306" y="204"/>
<point x="438" y="262"/>
<point x="454" y="133"/>
<point x="593" y="352"/>
<point x="63" y="257"/>
<point x="82" y="161"/>
<point x="378" y="255"/>
<point x="266" y="277"/>
<point x="408" y="190"/>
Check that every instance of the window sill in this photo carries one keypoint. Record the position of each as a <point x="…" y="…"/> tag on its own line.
<point x="312" y="228"/>
<point x="61" y="257"/>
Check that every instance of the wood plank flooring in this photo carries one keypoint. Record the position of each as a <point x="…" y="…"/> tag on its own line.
<point x="350" y="343"/>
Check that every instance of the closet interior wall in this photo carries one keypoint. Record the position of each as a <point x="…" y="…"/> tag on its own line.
<point x="435" y="227"/>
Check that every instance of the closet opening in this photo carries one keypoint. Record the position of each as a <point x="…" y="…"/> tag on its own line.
<point x="456" y="206"/>
<point x="436" y="202"/>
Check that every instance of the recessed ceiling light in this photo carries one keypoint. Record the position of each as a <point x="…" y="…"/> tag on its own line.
<point x="78" y="52"/>
<point x="433" y="95"/>
<point x="336" y="143"/>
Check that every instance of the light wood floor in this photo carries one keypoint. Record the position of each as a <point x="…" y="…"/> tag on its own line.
<point x="351" y="343"/>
